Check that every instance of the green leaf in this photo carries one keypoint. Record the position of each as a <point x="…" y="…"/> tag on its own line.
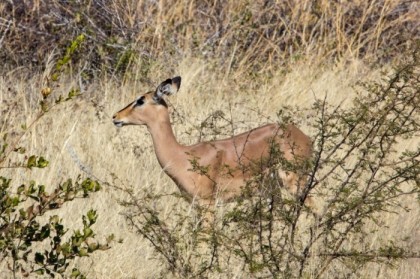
<point x="72" y="93"/>
<point x="57" y="239"/>
<point x="5" y="182"/>
<point x="54" y="219"/>
<point x="87" y="232"/>
<point x="41" y="189"/>
<point x="83" y="252"/>
<point x="20" y="189"/>
<point x="22" y="213"/>
<point x="66" y="249"/>
<point x="110" y="238"/>
<point x="39" y="271"/>
<point x="31" y="162"/>
<point x="97" y="186"/>
<point x="75" y="272"/>
<point x="20" y="150"/>
<point x="93" y="247"/>
<point x="39" y="258"/>
<point x="2" y="244"/>
<point x="32" y="188"/>
<point x="55" y="76"/>
<point x="59" y="228"/>
<point x="42" y="163"/>
<point x="45" y="232"/>
<point x="67" y="185"/>
<point x="15" y="201"/>
<point x="92" y="216"/>
<point x="44" y="106"/>
<point x="36" y="198"/>
<point x="90" y="185"/>
<point x="77" y="234"/>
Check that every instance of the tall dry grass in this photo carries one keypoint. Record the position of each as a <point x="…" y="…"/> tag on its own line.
<point x="246" y="59"/>
<point x="79" y="137"/>
<point x="253" y="36"/>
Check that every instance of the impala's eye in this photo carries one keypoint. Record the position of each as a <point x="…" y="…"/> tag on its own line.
<point x="140" y="101"/>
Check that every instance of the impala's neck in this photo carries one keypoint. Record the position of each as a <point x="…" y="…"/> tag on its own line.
<point x="167" y="149"/>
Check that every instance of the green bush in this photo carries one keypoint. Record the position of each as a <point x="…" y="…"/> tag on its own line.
<point x="33" y="240"/>
<point x="22" y="227"/>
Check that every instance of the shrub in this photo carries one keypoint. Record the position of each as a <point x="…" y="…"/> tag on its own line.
<point x="33" y="240"/>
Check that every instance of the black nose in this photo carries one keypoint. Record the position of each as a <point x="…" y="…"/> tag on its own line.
<point x="115" y="115"/>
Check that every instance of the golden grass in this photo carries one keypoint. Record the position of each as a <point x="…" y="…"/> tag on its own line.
<point x="79" y="137"/>
<point x="253" y="36"/>
<point x="246" y="59"/>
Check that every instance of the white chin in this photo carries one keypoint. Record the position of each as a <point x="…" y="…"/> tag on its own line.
<point x="118" y="124"/>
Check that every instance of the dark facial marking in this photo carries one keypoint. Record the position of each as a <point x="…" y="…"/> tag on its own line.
<point x="129" y="105"/>
<point x="139" y="102"/>
<point x="161" y="102"/>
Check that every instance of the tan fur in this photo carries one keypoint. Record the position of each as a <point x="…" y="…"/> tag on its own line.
<point x="216" y="169"/>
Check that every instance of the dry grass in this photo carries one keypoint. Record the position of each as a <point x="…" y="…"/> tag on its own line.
<point x="79" y="137"/>
<point x="253" y="36"/>
<point x="244" y="58"/>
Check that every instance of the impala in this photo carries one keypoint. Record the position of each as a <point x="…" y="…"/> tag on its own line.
<point x="215" y="169"/>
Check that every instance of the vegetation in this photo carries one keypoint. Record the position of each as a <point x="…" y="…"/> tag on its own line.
<point x="357" y="174"/>
<point x="33" y="240"/>
<point x="25" y="221"/>
<point x="346" y="72"/>
<point x="253" y="36"/>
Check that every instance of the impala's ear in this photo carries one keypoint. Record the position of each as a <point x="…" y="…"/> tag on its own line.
<point x="168" y="87"/>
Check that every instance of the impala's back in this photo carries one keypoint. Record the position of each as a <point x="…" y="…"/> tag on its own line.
<point x="231" y="162"/>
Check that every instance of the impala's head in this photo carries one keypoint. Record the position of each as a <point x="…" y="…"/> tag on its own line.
<point x="149" y="107"/>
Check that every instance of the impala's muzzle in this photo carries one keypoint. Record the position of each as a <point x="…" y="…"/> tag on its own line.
<point x="117" y="122"/>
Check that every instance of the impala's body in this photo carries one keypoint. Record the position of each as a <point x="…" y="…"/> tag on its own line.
<point x="216" y="169"/>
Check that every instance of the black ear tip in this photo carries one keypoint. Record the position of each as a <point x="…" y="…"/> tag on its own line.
<point x="177" y="80"/>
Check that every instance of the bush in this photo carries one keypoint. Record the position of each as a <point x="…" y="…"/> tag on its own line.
<point x="33" y="240"/>
<point x="22" y="227"/>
